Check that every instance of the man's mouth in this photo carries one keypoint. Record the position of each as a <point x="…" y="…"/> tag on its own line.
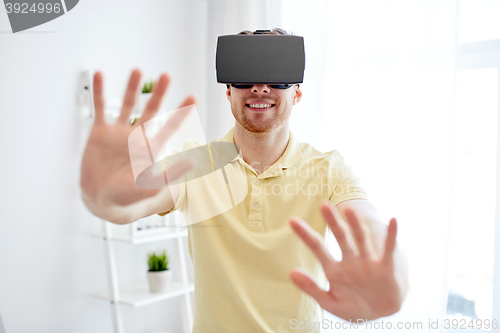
<point x="260" y="107"/>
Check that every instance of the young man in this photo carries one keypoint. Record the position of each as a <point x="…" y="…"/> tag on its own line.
<point x="245" y="258"/>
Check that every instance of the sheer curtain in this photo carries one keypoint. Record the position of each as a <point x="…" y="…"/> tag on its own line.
<point x="391" y="69"/>
<point x="379" y="87"/>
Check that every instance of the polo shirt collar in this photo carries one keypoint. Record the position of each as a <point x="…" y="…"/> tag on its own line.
<point x="290" y="157"/>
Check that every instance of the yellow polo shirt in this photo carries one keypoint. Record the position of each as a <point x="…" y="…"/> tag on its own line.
<point x="243" y="256"/>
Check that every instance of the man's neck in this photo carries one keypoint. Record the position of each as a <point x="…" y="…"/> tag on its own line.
<point x="261" y="150"/>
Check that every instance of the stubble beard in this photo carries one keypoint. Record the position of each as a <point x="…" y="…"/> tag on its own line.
<point x="255" y="124"/>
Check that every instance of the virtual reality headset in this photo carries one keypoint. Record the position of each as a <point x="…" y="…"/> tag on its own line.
<point x="260" y="59"/>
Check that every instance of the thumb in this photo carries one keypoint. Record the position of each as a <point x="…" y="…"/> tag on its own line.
<point x="305" y="282"/>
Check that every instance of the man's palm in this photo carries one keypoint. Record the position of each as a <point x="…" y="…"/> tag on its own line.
<point x="106" y="166"/>
<point x="363" y="284"/>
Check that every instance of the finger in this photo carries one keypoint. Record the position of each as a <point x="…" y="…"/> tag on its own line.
<point x="333" y="218"/>
<point x="153" y="88"/>
<point x="390" y="241"/>
<point x="178" y="170"/>
<point x="154" y="102"/>
<point x="359" y="232"/>
<point x="314" y="240"/>
<point x="307" y="284"/>
<point x="130" y="97"/>
<point x="98" y="99"/>
<point x="161" y="179"/>
<point x="175" y="121"/>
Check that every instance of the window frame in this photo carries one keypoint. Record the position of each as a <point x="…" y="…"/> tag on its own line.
<point x="482" y="55"/>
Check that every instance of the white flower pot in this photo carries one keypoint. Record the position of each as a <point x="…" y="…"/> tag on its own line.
<point x="143" y="101"/>
<point x="158" y="281"/>
<point x="140" y="105"/>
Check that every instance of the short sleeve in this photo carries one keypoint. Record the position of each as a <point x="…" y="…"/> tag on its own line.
<point x="346" y="184"/>
<point x="180" y="203"/>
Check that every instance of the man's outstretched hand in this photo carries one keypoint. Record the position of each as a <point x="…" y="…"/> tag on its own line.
<point x="107" y="179"/>
<point x="363" y="284"/>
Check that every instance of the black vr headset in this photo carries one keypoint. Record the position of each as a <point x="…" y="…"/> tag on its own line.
<point x="260" y="59"/>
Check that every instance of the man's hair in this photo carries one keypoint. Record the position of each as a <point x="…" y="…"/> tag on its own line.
<point x="275" y="31"/>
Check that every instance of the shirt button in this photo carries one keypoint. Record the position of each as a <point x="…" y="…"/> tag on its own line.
<point x="255" y="205"/>
<point x="257" y="181"/>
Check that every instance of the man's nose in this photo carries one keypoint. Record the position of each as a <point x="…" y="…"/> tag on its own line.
<point x="264" y="88"/>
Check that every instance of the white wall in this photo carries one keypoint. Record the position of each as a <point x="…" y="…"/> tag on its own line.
<point x="48" y="265"/>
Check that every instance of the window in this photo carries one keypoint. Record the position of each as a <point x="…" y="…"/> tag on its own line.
<point x="470" y="275"/>
<point x="479" y="20"/>
<point x="474" y="261"/>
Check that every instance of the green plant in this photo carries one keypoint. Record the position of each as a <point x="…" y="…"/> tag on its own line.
<point x="158" y="261"/>
<point x="148" y="86"/>
<point x="133" y="120"/>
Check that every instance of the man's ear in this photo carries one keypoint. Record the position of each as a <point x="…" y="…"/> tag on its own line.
<point x="298" y="95"/>
<point x="228" y="93"/>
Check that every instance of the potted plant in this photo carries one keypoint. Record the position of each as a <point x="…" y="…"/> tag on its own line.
<point x="146" y="93"/>
<point x="148" y="86"/>
<point x="159" y="273"/>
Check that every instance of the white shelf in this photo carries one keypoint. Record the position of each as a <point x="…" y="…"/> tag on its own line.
<point x="137" y="294"/>
<point x="146" y="239"/>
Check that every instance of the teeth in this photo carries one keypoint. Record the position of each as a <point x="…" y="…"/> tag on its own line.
<point x="260" y="106"/>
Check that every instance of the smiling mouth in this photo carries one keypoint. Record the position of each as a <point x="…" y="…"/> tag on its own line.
<point x="260" y="107"/>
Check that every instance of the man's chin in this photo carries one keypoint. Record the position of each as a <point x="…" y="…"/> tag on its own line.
<point x="258" y="128"/>
<point x="258" y="125"/>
